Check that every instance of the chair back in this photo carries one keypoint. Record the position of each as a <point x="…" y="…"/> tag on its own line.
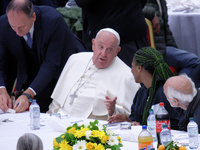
<point x="150" y="35"/>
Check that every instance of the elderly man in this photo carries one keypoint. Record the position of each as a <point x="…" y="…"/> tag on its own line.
<point x="181" y="92"/>
<point x="40" y="41"/>
<point x="88" y="79"/>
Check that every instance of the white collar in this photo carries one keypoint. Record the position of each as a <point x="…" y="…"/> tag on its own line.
<point x="31" y="32"/>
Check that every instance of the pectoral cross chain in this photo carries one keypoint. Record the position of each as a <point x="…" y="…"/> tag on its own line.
<point x="73" y="96"/>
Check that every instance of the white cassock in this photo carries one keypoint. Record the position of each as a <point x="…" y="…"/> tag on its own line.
<point x="115" y="80"/>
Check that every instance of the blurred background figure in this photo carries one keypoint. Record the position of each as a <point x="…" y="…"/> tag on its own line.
<point x="125" y="17"/>
<point x="29" y="141"/>
<point x="182" y="61"/>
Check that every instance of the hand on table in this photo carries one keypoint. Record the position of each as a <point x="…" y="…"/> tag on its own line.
<point x="135" y="123"/>
<point x="21" y="104"/>
<point x="118" y="118"/>
<point x="5" y="100"/>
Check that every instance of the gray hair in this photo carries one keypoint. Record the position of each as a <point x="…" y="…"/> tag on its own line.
<point x="29" y="141"/>
<point x="25" y="6"/>
<point x="183" y="98"/>
<point x="111" y="31"/>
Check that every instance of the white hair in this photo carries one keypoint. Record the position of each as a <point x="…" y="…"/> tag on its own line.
<point x="183" y="98"/>
<point x="29" y="141"/>
<point x="111" y="31"/>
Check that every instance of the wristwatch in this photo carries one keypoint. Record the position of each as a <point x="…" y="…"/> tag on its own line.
<point x="28" y="96"/>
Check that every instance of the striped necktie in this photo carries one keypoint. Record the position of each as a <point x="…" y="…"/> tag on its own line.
<point x="29" y="40"/>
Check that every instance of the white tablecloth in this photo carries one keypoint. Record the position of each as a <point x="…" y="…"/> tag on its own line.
<point x="186" y="30"/>
<point x="11" y="131"/>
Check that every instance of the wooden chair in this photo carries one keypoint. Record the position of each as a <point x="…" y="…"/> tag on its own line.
<point x="150" y="35"/>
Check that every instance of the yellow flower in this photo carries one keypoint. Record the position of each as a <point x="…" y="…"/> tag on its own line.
<point x="63" y="136"/>
<point x="55" y="143"/>
<point x="89" y="146"/>
<point x="99" y="134"/>
<point x="82" y="138"/>
<point x="80" y="133"/>
<point x="72" y="130"/>
<point x="120" y="140"/>
<point x="104" y="139"/>
<point x="63" y="145"/>
<point x="98" y="147"/>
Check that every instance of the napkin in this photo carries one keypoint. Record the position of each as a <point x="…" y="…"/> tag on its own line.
<point x="57" y="124"/>
<point x="12" y="111"/>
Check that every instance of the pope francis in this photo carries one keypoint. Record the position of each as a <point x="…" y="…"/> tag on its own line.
<point x="89" y="77"/>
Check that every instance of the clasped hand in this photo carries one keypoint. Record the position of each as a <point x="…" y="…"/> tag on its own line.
<point x="21" y="104"/>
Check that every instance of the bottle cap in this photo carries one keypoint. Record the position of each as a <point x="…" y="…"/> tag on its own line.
<point x="144" y="127"/>
<point x="191" y="118"/>
<point x="151" y="111"/>
<point x="161" y="104"/>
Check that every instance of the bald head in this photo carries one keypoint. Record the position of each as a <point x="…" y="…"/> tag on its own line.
<point x="181" y="84"/>
<point x="24" y="6"/>
<point x="181" y="88"/>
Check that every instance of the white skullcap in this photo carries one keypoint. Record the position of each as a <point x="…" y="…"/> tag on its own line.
<point x="111" y="31"/>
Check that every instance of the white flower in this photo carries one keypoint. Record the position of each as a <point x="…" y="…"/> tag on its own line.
<point x="88" y="134"/>
<point x="80" y="145"/>
<point x="113" y="141"/>
<point x="110" y="133"/>
<point x="86" y="124"/>
<point x="100" y="127"/>
<point x="108" y="148"/>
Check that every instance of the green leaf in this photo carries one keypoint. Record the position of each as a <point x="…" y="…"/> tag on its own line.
<point x="115" y="147"/>
<point x="59" y="139"/>
<point x="169" y="143"/>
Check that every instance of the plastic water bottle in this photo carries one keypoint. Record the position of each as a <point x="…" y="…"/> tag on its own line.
<point x="145" y="139"/>
<point x="192" y="129"/>
<point x="151" y="123"/>
<point x="34" y="111"/>
<point x="71" y="3"/>
<point x="165" y="135"/>
<point x="162" y="117"/>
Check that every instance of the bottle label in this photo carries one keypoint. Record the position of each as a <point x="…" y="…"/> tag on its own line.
<point x="148" y="145"/>
<point x="160" y="123"/>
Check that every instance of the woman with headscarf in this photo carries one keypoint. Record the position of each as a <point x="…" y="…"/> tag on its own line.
<point x="149" y="69"/>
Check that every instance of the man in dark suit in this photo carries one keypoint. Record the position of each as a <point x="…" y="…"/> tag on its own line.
<point x="41" y="42"/>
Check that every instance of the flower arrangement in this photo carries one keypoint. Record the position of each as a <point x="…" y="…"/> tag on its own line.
<point x="171" y="146"/>
<point x="87" y="137"/>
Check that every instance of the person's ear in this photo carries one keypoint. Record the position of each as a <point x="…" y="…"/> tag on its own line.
<point x="139" y="68"/>
<point x="34" y="17"/>
<point x="93" y="44"/>
<point x="176" y="101"/>
<point x="119" y="49"/>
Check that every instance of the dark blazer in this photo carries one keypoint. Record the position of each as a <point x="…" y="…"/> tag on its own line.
<point x="39" y="67"/>
<point x="126" y="17"/>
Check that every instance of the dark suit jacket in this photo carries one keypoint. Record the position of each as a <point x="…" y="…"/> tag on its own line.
<point x="53" y="43"/>
<point x="126" y="17"/>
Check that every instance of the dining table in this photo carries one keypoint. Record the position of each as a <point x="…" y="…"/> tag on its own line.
<point x="12" y="126"/>
<point x="184" y="22"/>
